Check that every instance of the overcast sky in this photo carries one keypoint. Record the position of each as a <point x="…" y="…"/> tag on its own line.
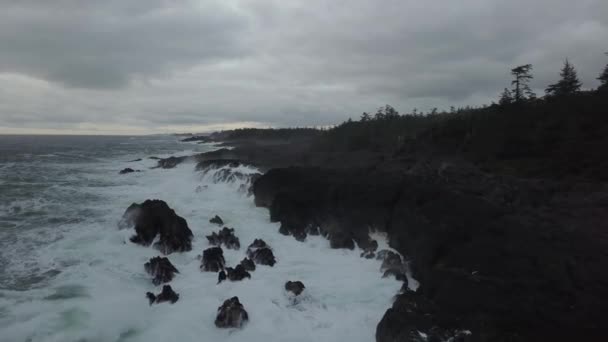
<point x="150" y="66"/>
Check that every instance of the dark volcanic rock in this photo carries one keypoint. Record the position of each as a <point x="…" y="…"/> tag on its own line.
<point x="507" y="259"/>
<point x="217" y="220"/>
<point x="261" y="253"/>
<point x="237" y="273"/>
<point x="171" y="162"/>
<point x="397" y="273"/>
<point x="295" y="287"/>
<point x="231" y="314"/>
<point x="221" y="276"/>
<point x="166" y="295"/>
<point x="224" y="237"/>
<point x="161" y="269"/>
<point x="213" y="260"/>
<point x="200" y="138"/>
<point x="127" y="170"/>
<point x="248" y="264"/>
<point x="341" y="240"/>
<point x="390" y="260"/>
<point x="154" y="217"/>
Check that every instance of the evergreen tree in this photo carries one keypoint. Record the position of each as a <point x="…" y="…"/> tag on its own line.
<point x="365" y="116"/>
<point x="568" y="84"/>
<point x="521" y="90"/>
<point x="506" y="98"/>
<point x="604" y="78"/>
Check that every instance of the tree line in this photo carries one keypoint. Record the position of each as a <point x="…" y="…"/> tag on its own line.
<point x="568" y="84"/>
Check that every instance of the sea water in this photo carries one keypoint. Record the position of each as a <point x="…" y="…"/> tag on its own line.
<point x="67" y="273"/>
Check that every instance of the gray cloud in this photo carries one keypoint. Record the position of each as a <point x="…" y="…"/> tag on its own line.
<point x="154" y="65"/>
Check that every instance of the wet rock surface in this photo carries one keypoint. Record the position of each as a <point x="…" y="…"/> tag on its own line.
<point x="231" y="314"/>
<point x="295" y="287"/>
<point x="216" y="220"/>
<point x="498" y="256"/>
<point x="224" y="237"/>
<point x="161" y="270"/>
<point x="248" y="264"/>
<point x="261" y="253"/>
<point x="127" y="170"/>
<point x="213" y="260"/>
<point x="154" y="218"/>
<point x="166" y="295"/>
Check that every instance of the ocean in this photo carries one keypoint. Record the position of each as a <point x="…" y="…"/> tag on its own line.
<point x="67" y="273"/>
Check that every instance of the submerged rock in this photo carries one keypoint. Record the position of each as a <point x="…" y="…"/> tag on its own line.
<point x="295" y="287"/>
<point x="217" y="220"/>
<point x="127" y="170"/>
<point x="166" y="295"/>
<point x="231" y="314"/>
<point x="161" y="269"/>
<point x="213" y="260"/>
<point x="154" y="217"/>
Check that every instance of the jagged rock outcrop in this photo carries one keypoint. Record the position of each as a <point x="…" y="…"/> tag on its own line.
<point x="248" y="264"/>
<point x="166" y="295"/>
<point x="161" y="269"/>
<point x="496" y="256"/>
<point x="224" y="237"/>
<point x="295" y="287"/>
<point x="213" y="260"/>
<point x="154" y="218"/>
<point x="231" y="314"/>
<point x="261" y="253"/>
<point x="216" y="220"/>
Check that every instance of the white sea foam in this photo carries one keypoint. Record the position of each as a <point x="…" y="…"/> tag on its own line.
<point x="100" y="293"/>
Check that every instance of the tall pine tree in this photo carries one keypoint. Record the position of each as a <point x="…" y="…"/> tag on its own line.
<point x="568" y="84"/>
<point x="521" y="90"/>
<point x="604" y="78"/>
<point x="505" y="98"/>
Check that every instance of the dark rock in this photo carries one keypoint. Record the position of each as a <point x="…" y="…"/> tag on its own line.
<point x="231" y="314"/>
<point x="368" y="245"/>
<point x="199" y="138"/>
<point x="368" y="254"/>
<point x="161" y="269"/>
<point x="341" y="240"/>
<point x="398" y="274"/>
<point x="213" y="260"/>
<point x="224" y="237"/>
<point x="127" y="170"/>
<point x="154" y="217"/>
<point x="248" y="264"/>
<point x="166" y="295"/>
<point x="135" y="160"/>
<point x="171" y="162"/>
<point x="255" y="245"/>
<point x="217" y="220"/>
<point x="221" y="276"/>
<point x="295" y="287"/>
<point x="237" y="273"/>
<point x="153" y="158"/>
<point x="496" y="255"/>
<point x="390" y="260"/>
<point x="261" y="253"/>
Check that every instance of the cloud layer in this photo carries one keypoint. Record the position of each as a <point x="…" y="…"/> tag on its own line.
<point x="156" y="66"/>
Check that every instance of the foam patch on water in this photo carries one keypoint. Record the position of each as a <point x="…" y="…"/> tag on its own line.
<point x="98" y="292"/>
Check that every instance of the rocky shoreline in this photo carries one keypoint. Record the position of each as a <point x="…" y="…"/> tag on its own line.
<point x="504" y="258"/>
